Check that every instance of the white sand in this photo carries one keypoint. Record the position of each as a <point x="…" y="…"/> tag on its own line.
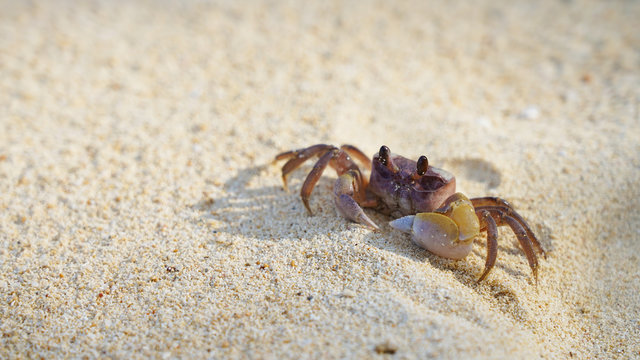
<point x="140" y="214"/>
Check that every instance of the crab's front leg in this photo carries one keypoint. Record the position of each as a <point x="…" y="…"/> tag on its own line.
<point x="347" y="191"/>
<point x="447" y="232"/>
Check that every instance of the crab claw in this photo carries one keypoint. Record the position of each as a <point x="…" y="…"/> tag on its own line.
<point x="448" y="232"/>
<point x="350" y="209"/>
<point x="345" y="188"/>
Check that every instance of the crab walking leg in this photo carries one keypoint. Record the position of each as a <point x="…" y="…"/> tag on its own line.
<point x="486" y="221"/>
<point x="358" y="154"/>
<point x="314" y="176"/>
<point x="525" y="242"/>
<point x="491" y="202"/>
<point x="291" y="153"/>
<point x="299" y="157"/>
<point x="530" y="235"/>
<point x="348" y="186"/>
<point x="502" y="218"/>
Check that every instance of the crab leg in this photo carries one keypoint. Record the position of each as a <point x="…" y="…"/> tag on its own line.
<point x="299" y="157"/>
<point x="495" y="203"/>
<point x="358" y="154"/>
<point x="314" y="176"/>
<point x="349" y="186"/>
<point x="291" y="153"/>
<point x="486" y="221"/>
<point x="522" y="224"/>
<point x="503" y="218"/>
<point x="525" y="242"/>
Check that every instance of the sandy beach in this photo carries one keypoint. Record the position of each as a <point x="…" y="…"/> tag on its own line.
<point x="142" y="216"/>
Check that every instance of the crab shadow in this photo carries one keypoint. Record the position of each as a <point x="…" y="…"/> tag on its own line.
<point x="244" y="209"/>
<point x="267" y="213"/>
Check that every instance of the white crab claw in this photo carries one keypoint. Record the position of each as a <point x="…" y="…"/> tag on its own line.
<point x="437" y="233"/>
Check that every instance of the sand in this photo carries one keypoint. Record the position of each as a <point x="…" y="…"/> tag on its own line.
<point x="141" y="216"/>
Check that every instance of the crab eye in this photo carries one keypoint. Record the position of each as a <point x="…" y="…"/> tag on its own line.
<point x="383" y="155"/>
<point x="422" y="165"/>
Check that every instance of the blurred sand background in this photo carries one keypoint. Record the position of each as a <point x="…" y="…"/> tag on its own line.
<point x="140" y="214"/>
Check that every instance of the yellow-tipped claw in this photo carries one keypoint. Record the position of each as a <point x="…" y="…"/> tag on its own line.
<point x="448" y="232"/>
<point x="459" y="209"/>
<point x="464" y="215"/>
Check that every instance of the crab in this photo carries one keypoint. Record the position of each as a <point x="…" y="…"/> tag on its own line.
<point x="422" y="197"/>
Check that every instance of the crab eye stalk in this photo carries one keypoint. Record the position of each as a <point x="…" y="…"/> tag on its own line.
<point x="422" y="166"/>
<point x="383" y="155"/>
